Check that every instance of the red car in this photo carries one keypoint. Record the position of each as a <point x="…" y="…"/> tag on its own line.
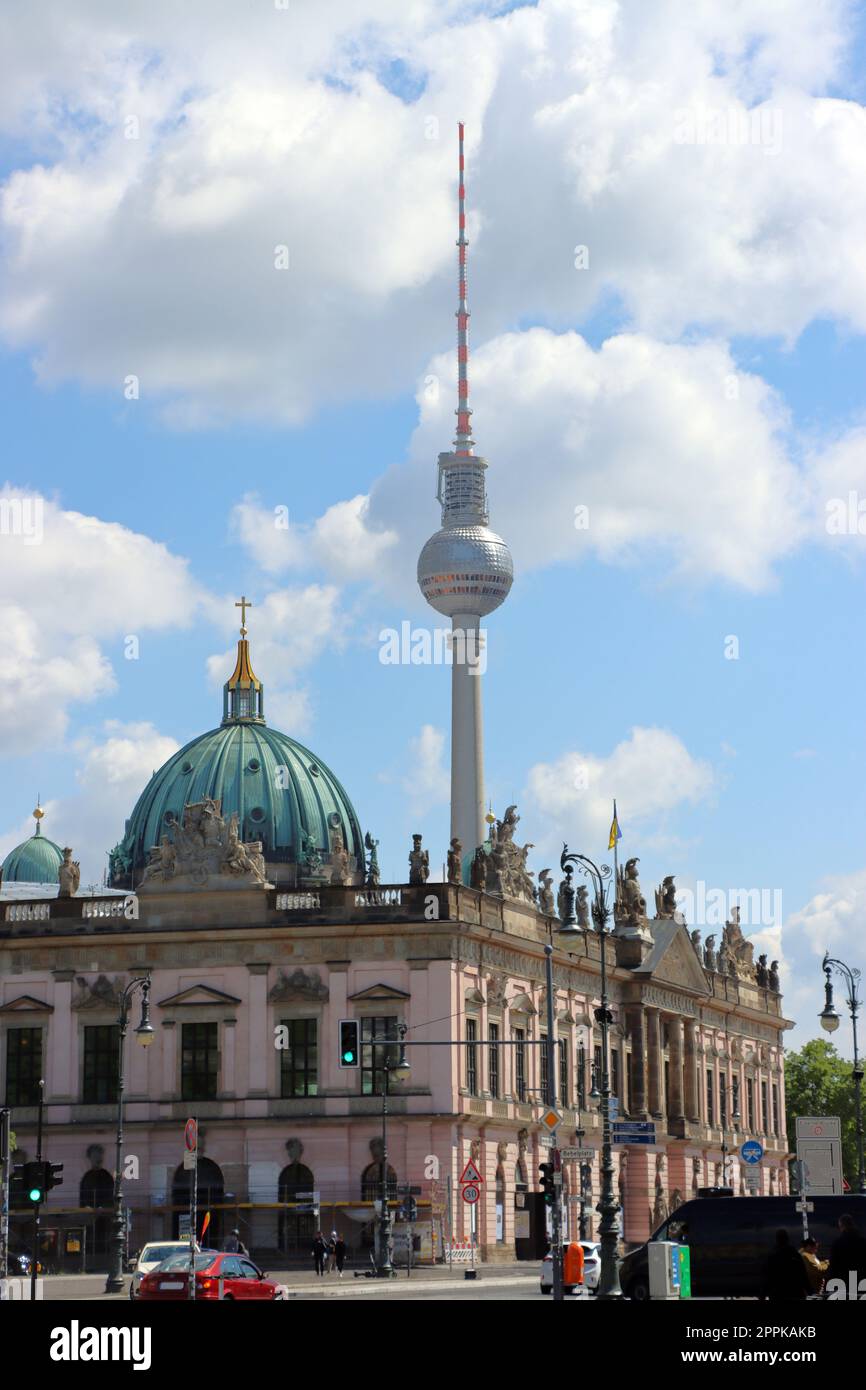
<point x="216" y="1276"/>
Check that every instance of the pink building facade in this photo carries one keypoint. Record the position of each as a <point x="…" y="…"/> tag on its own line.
<point x="248" y="987"/>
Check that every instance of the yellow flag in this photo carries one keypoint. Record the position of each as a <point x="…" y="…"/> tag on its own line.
<point x="615" y="832"/>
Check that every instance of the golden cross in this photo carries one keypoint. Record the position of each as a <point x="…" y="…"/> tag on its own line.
<point x="243" y="606"/>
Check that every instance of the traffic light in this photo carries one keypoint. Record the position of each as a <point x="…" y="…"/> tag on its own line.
<point x="350" y="1053"/>
<point x="411" y="1207"/>
<point x="546" y="1183"/>
<point x="53" y="1175"/>
<point x="35" y="1184"/>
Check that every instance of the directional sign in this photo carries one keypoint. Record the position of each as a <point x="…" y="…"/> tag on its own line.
<point x="471" y="1193"/>
<point x="633" y="1138"/>
<point x="550" y="1119"/>
<point x="637" y="1126"/>
<point x="751" y="1151"/>
<point x="471" y="1175"/>
<point x="819" y="1127"/>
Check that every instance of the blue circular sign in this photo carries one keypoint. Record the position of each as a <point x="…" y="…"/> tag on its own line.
<point x="752" y="1151"/>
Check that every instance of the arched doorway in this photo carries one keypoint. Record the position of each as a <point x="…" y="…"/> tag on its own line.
<point x="296" y="1229"/>
<point x="371" y="1183"/>
<point x="211" y="1194"/>
<point x="96" y="1190"/>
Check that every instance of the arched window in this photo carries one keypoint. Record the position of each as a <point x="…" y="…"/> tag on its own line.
<point x="211" y="1194"/>
<point x="296" y="1228"/>
<point x="371" y="1183"/>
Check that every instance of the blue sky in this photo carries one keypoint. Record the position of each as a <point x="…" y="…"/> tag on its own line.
<point x="707" y="519"/>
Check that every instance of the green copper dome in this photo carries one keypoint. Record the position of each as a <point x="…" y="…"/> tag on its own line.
<point x="37" y="860"/>
<point x="278" y="788"/>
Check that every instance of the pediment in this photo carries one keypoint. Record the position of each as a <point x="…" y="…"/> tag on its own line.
<point x="673" y="959"/>
<point x="198" y="995"/>
<point x="379" y="992"/>
<point x="26" y="1003"/>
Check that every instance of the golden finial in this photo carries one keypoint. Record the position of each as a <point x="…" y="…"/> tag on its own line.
<point x="243" y="605"/>
<point x="38" y="813"/>
<point x="490" y="818"/>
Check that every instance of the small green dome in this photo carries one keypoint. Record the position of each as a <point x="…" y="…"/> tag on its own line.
<point x="37" y="860"/>
<point x="277" y="787"/>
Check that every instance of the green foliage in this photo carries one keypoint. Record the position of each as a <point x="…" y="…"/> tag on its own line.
<point x="818" y="1082"/>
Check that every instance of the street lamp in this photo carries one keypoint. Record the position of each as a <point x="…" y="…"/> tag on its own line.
<point x="608" y="1207"/>
<point x="735" y="1115"/>
<point x="401" y="1069"/>
<point x="829" y="1017"/>
<point x="144" y="1034"/>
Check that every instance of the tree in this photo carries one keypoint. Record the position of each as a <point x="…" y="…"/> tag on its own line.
<point x="818" y="1082"/>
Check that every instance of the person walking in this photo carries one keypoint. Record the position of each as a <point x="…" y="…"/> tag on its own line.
<point x="340" y="1254"/>
<point x="815" y="1268"/>
<point x="332" y="1252"/>
<point x="785" y="1276"/>
<point x="234" y="1245"/>
<point x="847" y="1253"/>
<point x="320" y="1250"/>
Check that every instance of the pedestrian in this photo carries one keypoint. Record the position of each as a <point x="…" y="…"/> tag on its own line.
<point x="332" y="1252"/>
<point x="815" y="1268"/>
<point x="234" y="1245"/>
<point x="340" y="1254"/>
<point x="785" y="1276"/>
<point x="319" y="1252"/>
<point x="847" y="1253"/>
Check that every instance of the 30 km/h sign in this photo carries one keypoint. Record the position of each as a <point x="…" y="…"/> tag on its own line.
<point x="471" y="1193"/>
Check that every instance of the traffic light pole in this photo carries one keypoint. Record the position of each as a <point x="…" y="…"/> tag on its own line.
<point x="34" y="1261"/>
<point x="6" y="1165"/>
<point x="550" y="1099"/>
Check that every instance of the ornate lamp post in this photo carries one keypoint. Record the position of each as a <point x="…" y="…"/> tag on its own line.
<point x="401" y="1069"/>
<point x="830" y="1020"/>
<point x="735" y="1115"/>
<point x="144" y="1034"/>
<point x="608" y="1207"/>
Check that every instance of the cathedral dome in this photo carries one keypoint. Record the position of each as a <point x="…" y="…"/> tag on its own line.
<point x="37" y="860"/>
<point x="279" y="789"/>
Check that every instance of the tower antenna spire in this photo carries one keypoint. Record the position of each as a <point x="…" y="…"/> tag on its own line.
<point x="463" y="444"/>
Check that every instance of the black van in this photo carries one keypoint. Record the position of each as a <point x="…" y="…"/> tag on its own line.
<point x="729" y="1239"/>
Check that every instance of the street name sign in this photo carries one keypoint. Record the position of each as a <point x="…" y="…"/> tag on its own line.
<point x="572" y="1154"/>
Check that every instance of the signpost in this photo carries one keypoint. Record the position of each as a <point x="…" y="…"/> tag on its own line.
<point x="751" y="1152"/>
<point x="634" y="1132"/>
<point x="819" y="1149"/>
<point x="190" y="1160"/>
<point x="470" y="1190"/>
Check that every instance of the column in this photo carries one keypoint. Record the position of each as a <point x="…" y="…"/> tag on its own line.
<point x="691" y="1071"/>
<point x="61" y="1041"/>
<point x="638" y="1036"/>
<point x="259" y="1051"/>
<point x="229" y="1029"/>
<point x="675" y="1100"/>
<point x="169" y="1059"/>
<point x="655" y="1061"/>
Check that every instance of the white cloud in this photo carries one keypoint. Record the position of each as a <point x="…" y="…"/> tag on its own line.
<point x="293" y="129"/>
<point x="428" y="780"/>
<point x="78" y="577"/>
<point x="677" y="456"/>
<point x="651" y="774"/>
<point x="340" y="541"/>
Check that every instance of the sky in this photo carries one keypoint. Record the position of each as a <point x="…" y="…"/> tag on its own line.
<point x="227" y="367"/>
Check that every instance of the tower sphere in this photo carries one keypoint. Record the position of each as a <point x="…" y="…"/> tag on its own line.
<point x="465" y="569"/>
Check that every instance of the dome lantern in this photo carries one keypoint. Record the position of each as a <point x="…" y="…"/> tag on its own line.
<point x="243" y="693"/>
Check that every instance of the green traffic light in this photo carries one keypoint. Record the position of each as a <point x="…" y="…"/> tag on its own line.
<point x="348" y="1056"/>
<point x="35" y="1194"/>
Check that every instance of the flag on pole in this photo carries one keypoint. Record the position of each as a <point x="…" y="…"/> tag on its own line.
<point x="615" y="832"/>
<point x="205" y="1223"/>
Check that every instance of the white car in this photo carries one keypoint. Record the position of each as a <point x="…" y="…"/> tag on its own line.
<point x="591" y="1268"/>
<point x="152" y="1255"/>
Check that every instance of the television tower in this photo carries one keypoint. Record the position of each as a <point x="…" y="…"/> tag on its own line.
<point x="465" y="572"/>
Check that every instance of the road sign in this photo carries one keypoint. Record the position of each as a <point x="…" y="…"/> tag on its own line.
<point x="546" y="1141"/>
<point x="550" y="1119"/>
<point x="751" y="1151"/>
<point x="819" y="1127"/>
<point x="804" y="1206"/>
<point x="613" y="1107"/>
<point x="471" y="1193"/>
<point x="190" y="1135"/>
<point x="572" y="1154"/>
<point x="637" y="1126"/>
<point x="752" y="1177"/>
<point x="471" y="1175"/>
<point x="189" y="1159"/>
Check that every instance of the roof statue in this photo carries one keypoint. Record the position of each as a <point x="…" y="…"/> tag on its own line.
<point x="739" y="951"/>
<point x="204" y="850"/>
<point x="545" y="893"/>
<point x="507" y="874"/>
<point x="371" y="879"/>
<point x="455" y="860"/>
<point x="666" y="898"/>
<point x="419" y="862"/>
<point x="69" y="875"/>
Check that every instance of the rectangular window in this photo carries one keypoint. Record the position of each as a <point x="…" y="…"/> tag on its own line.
<point x="493" y="1059"/>
<point x="471" y="1056"/>
<point x="199" y="1067"/>
<point x="711" y="1109"/>
<point x="299" y="1062"/>
<point x="520" y="1064"/>
<point x="765" y="1118"/>
<point x="23" y="1065"/>
<point x="564" y="1089"/>
<point x="775" y="1109"/>
<point x="596" y="1068"/>
<point x="750" y="1103"/>
<point x="581" y="1076"/>
<point x="614" y="1073"/>
<point x="544" y="1068"/>
<point x="100" y="1064"/>
<point x="374" y="1052"/>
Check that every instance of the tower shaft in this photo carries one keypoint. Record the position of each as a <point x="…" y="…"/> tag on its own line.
<point x="467" y="734"/>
